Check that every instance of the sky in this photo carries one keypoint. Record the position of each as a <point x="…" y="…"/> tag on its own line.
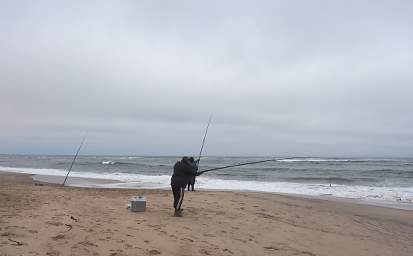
<point x="281" y="78"/>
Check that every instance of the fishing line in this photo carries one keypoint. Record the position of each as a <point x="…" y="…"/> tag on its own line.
<point x="241" y="164"/>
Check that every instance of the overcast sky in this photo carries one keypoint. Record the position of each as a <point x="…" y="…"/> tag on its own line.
<point x="281" y="78"/>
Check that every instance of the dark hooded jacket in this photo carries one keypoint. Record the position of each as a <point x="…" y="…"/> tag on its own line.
<point x="183" y="171"/>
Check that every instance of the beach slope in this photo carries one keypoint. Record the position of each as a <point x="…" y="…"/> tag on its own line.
<point x="55" y="220"/>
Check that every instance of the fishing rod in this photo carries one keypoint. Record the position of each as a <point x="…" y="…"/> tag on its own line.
<point x="74" y="159"/>
<point x="203" y="140"/>
<point x="235" y="165"/>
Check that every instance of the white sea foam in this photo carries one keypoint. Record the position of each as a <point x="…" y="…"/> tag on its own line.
<point x="312" y="160"/>
<point x="355" y="192"/>
<point x="292" y="160"/>
<point x="108" y="162"/>
<point x="162" y="180"/>
<point x="402" y="195"/>
<point x="57" y="172"/>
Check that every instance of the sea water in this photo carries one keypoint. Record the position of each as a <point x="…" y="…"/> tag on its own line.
<point x="375" y="180"/>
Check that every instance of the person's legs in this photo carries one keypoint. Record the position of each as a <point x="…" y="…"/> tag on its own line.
<point x="193" y="183"/>
<point x="178" y="197"/>
<point x="175" y="191"/>
<point x="181" y="198"/>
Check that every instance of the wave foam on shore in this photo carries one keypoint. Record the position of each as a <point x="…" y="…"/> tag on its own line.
<point x="400" y="195"/>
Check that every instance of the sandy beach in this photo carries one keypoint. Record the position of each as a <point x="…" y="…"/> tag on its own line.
<point x="55" y="220"/>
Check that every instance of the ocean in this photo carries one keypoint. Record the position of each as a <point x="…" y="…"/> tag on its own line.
<point x="383" y="181"/>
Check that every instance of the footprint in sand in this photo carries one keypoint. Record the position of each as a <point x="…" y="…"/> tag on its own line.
<point x="204" y="251"/>
<point x="154" y="252"/>
<point x="271" y="248"/>
<point x="54" y="223"/>
<point x="15" y="242"/>
<point x="87" y="243"/>
<point x="6" y="234"/>
<point x="227" y="250"/>
<point x="58" y="237"/>
<point x="53" y="253"/>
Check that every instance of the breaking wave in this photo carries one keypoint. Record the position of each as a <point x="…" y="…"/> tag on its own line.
<point x="311" y="159"/>
<point x="109" y="162"/>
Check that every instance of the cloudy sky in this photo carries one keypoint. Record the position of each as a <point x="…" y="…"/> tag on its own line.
<point x="301" y="78"/>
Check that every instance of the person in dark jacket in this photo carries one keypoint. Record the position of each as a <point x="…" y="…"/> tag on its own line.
<point x="191" y="182"/>
<point x="183" y="170"/>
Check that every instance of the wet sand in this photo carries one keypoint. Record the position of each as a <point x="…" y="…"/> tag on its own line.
<point x="55" y="220"/>
<point x="70" y="181"/>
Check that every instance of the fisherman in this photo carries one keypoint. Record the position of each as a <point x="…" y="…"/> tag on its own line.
<point x="183" y="171"/>
<point x="191" y="183"/>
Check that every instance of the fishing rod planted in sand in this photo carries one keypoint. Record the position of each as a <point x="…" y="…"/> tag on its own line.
<point x="235" y="165"/>
<point x="203" y="140"/>
<point x="74" y="159"/>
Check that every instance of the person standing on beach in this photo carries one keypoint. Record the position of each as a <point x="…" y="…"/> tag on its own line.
<point x="183" y="171"/>
<point x="191" y="183"/>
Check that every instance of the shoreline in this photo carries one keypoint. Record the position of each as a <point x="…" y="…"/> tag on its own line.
<point x="71" y="181"/>
<point x="105" y="184"/>
<point x="56" y="220"/>
<point x="368" y="186"/>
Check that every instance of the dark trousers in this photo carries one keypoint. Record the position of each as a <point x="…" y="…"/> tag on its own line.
<point x="191" y="183"/>
<point x="189" y="186"/>
<point x="178" y="192"/>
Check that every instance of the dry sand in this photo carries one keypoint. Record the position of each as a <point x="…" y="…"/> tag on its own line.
<point x="53" y="220"/>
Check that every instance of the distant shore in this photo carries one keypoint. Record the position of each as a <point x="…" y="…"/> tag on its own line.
<point x="56" y="220"/>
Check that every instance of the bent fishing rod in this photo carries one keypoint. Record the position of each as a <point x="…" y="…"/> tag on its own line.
<point x="74" y="159"/>
<point x="235" y="165"/>
<point x="203" y="140"/>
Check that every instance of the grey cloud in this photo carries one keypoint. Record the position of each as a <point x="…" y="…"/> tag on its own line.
<point x="281" y="77"/>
